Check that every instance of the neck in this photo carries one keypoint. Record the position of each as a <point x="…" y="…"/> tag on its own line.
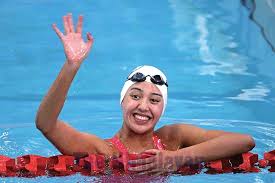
<point x="135" y="142"/>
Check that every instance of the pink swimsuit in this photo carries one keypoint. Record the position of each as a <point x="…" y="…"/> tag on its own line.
<point x="121" y="148"/>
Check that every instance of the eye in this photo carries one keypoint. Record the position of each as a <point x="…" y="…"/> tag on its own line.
<point x="154" y="100"/>
<point x="135" y="97"/>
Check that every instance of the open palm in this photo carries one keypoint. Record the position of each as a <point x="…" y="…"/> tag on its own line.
<point x="76" y="50"/>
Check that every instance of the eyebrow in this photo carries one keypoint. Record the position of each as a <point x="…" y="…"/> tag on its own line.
<point x="142" y="91"/>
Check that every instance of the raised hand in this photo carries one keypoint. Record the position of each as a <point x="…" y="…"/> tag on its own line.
<point x="76" y="50"/>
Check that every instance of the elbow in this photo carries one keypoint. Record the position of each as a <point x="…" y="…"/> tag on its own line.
<point x="38" y="123"/>
<point x="250" y="143"/>
<point x="38" y="120"/>
<point x="45" y="125"/>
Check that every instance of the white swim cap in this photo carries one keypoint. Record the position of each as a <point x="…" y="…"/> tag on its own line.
<point x="146" y="71"/>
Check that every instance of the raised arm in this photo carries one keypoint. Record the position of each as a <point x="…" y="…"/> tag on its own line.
<point x="64" y="137"/>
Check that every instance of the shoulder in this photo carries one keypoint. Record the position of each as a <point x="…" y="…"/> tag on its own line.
<point x="180" y="135"/>
<point x="171" y="135"/>
<point x="174" y="129"/>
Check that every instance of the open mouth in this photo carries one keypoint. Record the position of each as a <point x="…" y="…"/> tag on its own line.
<point x="141" y="117"/>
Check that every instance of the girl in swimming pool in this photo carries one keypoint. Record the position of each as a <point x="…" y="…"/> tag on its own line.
<point x="143" y="100"/>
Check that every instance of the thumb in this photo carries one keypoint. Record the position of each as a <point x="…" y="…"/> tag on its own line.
<point x="57" y="31"/>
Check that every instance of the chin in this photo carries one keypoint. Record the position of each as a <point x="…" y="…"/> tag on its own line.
<point x="141" y="129"/>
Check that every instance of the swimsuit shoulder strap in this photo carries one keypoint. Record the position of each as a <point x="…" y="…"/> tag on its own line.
<point x="118" y="144"/>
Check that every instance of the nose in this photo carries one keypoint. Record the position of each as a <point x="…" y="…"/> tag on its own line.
<point x="143" y="105"/>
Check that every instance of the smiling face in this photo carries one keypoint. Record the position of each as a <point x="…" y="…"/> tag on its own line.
<point x="142" y="107"/>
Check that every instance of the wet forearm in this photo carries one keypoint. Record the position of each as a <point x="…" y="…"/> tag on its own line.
<point x="53" y="102"/>
<point x="217" y="148"/>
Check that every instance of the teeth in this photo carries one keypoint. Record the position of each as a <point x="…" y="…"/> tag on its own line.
<point x="141" y="117"/>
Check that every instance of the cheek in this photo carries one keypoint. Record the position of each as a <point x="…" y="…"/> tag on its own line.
<point x="158" y="109"/>
<point x="124" y="109"/>
<point x="127" y="106"/>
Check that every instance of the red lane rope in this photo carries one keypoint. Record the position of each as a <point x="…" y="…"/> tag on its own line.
<point x="62" y="165"/>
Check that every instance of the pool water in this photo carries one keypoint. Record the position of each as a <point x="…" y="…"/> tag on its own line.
<point x="219" y="67"/>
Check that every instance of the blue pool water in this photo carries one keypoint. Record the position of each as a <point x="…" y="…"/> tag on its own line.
<point x="219" y="67"/>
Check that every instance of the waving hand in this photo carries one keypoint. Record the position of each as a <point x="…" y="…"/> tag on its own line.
<point x="76" y="49"/>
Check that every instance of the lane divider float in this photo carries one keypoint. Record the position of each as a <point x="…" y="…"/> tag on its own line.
<point x="93" y="164"/>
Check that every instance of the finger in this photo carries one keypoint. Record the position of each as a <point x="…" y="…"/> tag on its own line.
<point x="142" y="161"/>
<point x="149" y="172"/>
<point x="79" y="24"/>
<point x="151" y="151"/>
<point x="66" y="25"/>
<point x="57" y="31"/>
<point x="90" y="40"/>
<point x="71" y="23"/>
<point x="157" y="173"/>
<point x="142" y="167"/>
<point x="144" y="173"/>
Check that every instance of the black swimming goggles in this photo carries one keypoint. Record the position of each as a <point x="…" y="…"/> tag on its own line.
<point x="156" y="79"/>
